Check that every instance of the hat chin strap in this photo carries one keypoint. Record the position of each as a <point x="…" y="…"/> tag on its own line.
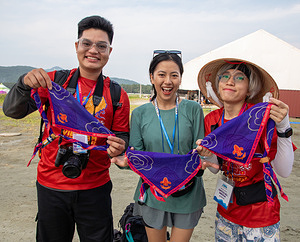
<point x="267" y="96"/>
<point x="211" y="93"/>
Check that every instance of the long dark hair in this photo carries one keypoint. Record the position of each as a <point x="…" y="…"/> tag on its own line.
<point x="159" y="58"/>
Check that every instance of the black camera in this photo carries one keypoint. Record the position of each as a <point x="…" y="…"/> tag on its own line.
<point x="73" y="163"/>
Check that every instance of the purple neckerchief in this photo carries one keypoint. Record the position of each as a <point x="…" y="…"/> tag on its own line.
<point x="236" y="141"/>
<point x="67" y="113"/>
<point x="164" y="173"/>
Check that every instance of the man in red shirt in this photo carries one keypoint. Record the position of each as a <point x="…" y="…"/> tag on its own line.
<point x="84" y="200"/>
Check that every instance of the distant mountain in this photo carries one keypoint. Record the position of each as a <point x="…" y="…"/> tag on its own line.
<point x="55" y="68"/>
<point x="122" y="81"/>
<point x="10" y="74"/>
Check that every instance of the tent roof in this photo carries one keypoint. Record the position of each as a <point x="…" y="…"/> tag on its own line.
<point x="3" y="89"/>
<point x="280" y="59"/>
<point x="2" y="86"/>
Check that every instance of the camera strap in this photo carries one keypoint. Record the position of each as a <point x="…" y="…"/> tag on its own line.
<point x="97" y="95"/>
<point x="98" y="89"/>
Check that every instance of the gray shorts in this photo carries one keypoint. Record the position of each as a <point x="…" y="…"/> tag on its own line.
<point x="158" y="219"/>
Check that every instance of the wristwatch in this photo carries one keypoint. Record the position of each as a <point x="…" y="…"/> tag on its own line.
<point x="288" y="133"/>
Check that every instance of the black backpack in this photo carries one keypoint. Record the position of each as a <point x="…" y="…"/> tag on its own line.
<point x="133" y="228"/>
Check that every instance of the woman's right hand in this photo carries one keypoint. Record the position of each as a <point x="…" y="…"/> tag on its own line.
<point x="201" y="150"/>
<point x="120" y="160"/>
<point x="207" y="154"/>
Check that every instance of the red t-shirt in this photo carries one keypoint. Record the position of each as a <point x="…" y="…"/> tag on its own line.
<point x="253" y="215"/>
<point x="96" y="173"/>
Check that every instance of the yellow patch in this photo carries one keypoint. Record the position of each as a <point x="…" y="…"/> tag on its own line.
<point x="90" y="106"/>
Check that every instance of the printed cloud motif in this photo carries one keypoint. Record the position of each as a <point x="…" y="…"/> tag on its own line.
<point x="255" y="117"/>
<point x="94" y="127"/>
<point x="192" y="164"/>
<point x="210" y="141"/>
<point x="141" y="162"/>
<point x="59" y="93"/>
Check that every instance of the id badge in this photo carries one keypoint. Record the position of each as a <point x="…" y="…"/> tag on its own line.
<point x="82" y="138"/>
<point x="223" y="194"/>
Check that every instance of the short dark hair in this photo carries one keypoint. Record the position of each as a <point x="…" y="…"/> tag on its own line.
<point x="96" y="22"/>
<point x="164" y="57"/>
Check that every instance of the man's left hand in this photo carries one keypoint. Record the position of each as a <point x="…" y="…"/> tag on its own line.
<point x="116" y="146"/>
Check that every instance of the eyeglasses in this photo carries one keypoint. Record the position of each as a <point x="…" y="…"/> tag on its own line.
<point x="101" y="46"/>
<point x="237" y="78"/>
<point x="157" y="52"/>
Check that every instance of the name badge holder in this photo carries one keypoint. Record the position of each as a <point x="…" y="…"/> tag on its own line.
<point x="224" y="191"/>
<point x="77" y="149"/>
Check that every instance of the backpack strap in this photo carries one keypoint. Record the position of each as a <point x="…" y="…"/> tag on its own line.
<point x="115" y="93"/>
<point x="61" y="76"/>
<point x="71" y="88"/>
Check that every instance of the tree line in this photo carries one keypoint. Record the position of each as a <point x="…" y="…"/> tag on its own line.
<point x="135" y="88"/>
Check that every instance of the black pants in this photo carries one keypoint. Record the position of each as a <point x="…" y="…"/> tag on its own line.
<point x="90" y="210"/>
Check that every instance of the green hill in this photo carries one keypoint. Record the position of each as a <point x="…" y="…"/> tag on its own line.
<point x="122" y="81"/>
<point x="9" y="76"/>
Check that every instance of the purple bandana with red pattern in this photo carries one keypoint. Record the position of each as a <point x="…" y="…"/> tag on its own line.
<point x="164" y="173"/>
<point x="236" y="141"/>
<point x="67" y="113"/>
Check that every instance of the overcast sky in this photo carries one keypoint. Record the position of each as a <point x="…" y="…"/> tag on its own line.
<point x="41" y="33"/>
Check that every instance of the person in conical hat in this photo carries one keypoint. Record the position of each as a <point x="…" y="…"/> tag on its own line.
<point x="235" y="85"/>
<point x="262" y="84"/>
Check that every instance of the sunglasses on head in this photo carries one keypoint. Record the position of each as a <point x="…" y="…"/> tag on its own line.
<point x="157" y="52"/>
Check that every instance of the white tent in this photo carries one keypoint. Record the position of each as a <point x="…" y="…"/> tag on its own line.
<point x="280" y="59"/>
<point x="3" y="89"/>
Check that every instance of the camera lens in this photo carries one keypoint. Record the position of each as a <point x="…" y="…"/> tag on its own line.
<point x="72" y="167"/>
